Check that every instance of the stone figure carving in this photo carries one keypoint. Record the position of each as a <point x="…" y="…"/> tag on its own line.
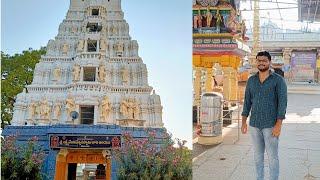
<point x="57" y="110"/>
<point x="119" y="47"/>
<point x="102" y="73"/>
<point x="102" y="46"/>
<point x="195" y="21"/>
<point x="219" y="21"/>
<point x="80" y="45"/>
<point x="114" y="29"/>
<point x="124" y="108"/>
<point x="70" y="105"/>
<point x="199" y="20"/>
<point x="74" y="29"/>
<point x="65" y="48"/>
<point x="44" y="109"/>
<point x="124" y="75"/>
<point x="232" y="24"/>
<point x="209" y="17"/>
<point x="57" y="74"/>
<point x="105" y="107"/>
<point x="243" y="29"/>
<point x="129" y="108"/>
<point x="32" y="110"/>
<point x="84" y="28"/>
<point x="76" y="73"/>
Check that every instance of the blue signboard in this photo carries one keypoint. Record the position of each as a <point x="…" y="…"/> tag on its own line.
<point x="84" y="142"/>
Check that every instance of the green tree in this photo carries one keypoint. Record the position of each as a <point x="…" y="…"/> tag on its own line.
<point x="17" y="72"/>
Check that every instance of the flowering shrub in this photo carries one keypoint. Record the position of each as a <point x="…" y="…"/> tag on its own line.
<point x="147" y="159"/>
<point x="21" y="161"/>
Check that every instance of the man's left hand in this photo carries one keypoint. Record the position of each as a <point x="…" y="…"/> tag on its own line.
<point x="277" y="128"/>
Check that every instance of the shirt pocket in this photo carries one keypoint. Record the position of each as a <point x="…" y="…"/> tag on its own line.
<point x="269" y="93"/>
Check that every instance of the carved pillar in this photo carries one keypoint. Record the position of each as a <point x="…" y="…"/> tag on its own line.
<point x="81" y="73"/>
<point x="96" y="114"/>
<point x="85" y="46"/>
<point x="97" y="75"/>
<point x="230" y="84"/>
<point x="98" y="46"/>
<point x="197" y="86"/>
<point x="209" y="79"/>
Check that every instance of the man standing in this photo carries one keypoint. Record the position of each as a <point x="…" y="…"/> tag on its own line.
<point x="266" y="98"/>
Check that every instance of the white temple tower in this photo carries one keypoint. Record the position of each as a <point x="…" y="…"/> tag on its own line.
<point x="92" y="67"/>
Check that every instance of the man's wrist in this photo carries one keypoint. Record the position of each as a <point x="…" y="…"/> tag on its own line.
<point x="279" y="122"/>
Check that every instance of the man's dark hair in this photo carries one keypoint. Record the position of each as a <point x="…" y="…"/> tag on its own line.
<point x="264" y="53"/>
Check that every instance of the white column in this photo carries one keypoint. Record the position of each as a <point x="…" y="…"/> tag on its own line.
<point x="96" y="114"/>
<point x="85" y="46"/>
<point x="96" y="79"/>
<point x="81" y="73"/>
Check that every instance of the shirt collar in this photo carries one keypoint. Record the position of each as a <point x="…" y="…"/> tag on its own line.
<point x="271" y="73"/>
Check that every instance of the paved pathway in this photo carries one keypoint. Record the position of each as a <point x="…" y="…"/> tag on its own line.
<point x="299" y="149"/>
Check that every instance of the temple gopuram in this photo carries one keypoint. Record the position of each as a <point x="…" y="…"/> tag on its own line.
<point x="89" y="89"/>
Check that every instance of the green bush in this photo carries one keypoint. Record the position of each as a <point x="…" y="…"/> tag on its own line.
<point x="21" y="161"/>
<point x="143" y="159"/>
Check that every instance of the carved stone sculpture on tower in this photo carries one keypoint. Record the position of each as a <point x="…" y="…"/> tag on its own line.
<point x="124" y="108"/>
<point x="70" y="105"/>
<point x="102" y="46"/>
<point x="114" y="30"/>
<point x="119" y="47"/>
<point x="74" y="29"/>
<point x="80" y="46"/>
<point x="32" y="110"/>
<point x="65" y="48"/>
<point x="76" y="73"/>
<point x="105" y="107"/>
<point x="44" y="109"/>
<point x="56" y="74"/>
<point x="209" y="17"/>
<point x="129" y="108"/>
<point x="102" y="73"/>
<point x="57" y="110"/>
<point x="124" y="75"/>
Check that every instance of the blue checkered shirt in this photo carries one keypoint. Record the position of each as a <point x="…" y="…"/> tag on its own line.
<point x="267" y="101"/>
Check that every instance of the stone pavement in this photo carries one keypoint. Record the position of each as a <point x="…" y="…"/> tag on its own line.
<point x="299" y="148"/>
<point x="303" y="88"/>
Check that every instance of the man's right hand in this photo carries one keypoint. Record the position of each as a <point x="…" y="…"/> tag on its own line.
<point x="244" y="128"/>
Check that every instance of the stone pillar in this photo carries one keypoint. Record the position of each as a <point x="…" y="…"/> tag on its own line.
<point x="85" y="46"/>
<point x="97" y="75"/>
<point x="287" y="61"/>
<point x="98" y="46"/>
<point x="209" y="79"/>
<point x="197" y="86"/>
<point x="230" y="84"/>
<point x="81" y="73"/>
<point x="96" y="114"/>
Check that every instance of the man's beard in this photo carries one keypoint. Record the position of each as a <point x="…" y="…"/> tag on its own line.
<point x="263" y="69"/>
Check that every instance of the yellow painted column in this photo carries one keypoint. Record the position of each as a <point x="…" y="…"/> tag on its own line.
<point x="209" y="79"/>
<point x="197" y="86"/>
<point x="230" y="84"/>
<point x="61" y="165"/>
<point x="108" y="169"/>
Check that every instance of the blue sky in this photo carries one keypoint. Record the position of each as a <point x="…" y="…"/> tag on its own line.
<point x="162" y="29"/>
